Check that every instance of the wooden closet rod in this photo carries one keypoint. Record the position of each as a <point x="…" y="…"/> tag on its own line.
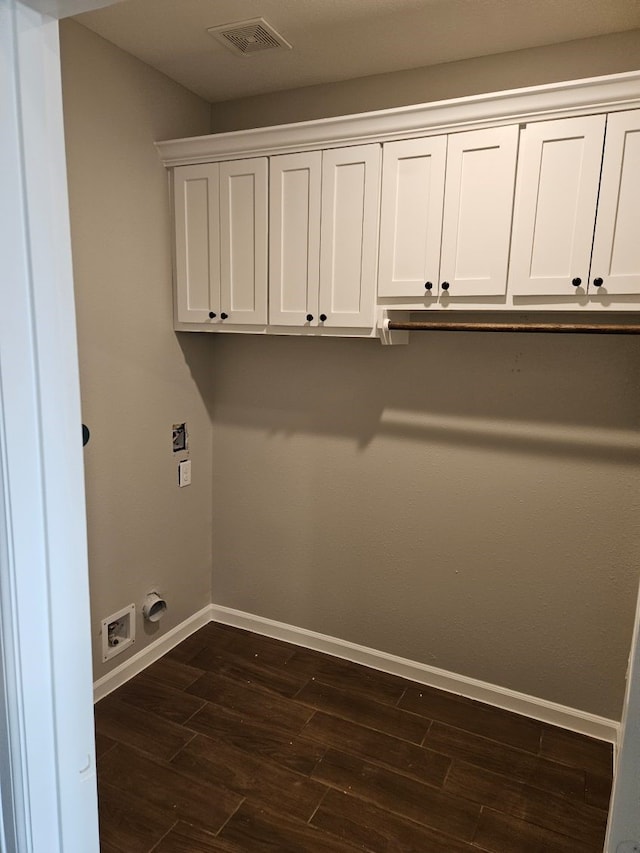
<point x="555" y="328"/>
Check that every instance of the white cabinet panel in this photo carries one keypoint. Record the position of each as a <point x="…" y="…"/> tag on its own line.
<point x="480" y="181"/>
<point x="616" y="246"/>
<point x="294" y="238"/>
<point x="349" y="235"/>
<point x="197" y="248"/>
<point x="446" y="214"/>
<point x="411" y="216"/>
<point x="556" y="197"/>
<point x="243" y="240"/>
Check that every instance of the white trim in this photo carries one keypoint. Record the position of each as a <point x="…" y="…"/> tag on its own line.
<point x="49" y="765"/>
<point x="65" y="8"/>
<point x="624" y="819"/>
<point x="491" y="694"/>
<point x="482" y="691"/>
<point x="303" y="331"/>
<point x="153" y="652"/>
<point x="557" y="100"/>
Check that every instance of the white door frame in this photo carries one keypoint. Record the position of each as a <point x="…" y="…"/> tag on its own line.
<point x="623" y="830"/>
<point x="48" y="798"/>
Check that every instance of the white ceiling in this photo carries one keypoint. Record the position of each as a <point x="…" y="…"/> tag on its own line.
<point x="341" y="39"/>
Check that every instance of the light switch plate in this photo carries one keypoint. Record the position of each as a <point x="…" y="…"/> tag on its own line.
<point x="184" y="473"/>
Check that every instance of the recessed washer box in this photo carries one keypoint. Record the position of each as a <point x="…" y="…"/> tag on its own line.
<point x="118" y="632"/>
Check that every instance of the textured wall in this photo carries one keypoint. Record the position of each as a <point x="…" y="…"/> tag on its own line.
<point x="468" y="501"/>
<point x="569" y="61"/>
<point x="136" y="380"/>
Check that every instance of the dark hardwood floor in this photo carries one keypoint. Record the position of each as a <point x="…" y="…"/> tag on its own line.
<point x="235" y="742"/>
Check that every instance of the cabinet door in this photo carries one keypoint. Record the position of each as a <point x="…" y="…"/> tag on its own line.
<point x="294" y="238"/>
<point x="616" y="246"/>
<point x="197" y="249"/>
<point x="556" y="196"/>
<point x="411" y="216"/>
<point x="478" y="207"/>
<point x="349" y="235"/>
<point x="243" y="240"/>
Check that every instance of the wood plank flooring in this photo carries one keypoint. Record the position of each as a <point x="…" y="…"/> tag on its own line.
<point x="240" y="743"/>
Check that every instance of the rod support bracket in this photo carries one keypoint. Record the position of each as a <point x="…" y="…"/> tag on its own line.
<point x="387" y="336"/>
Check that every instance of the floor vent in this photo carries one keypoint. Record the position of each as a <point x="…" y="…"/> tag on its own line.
<point x="247" y="37"/>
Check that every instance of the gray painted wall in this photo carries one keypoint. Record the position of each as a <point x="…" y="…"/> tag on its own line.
<point x="467" y="501"/>
<point x="144" y="532"/>
<point x="572" y="60"/>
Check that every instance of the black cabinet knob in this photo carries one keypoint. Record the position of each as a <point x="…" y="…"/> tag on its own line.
<point x="598" y="282"/>
<point x="212" y="315"/>
<point x="223" y="316"/>
<point x="428" y="285"/>
<point x="323" y="317"/>
<point x="576" y="282"/>
<point x="309" y="317"/>
<point x="445" y="285"/>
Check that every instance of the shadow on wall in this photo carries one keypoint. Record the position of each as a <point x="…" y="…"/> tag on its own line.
<point x="575" y="396"/>
<point x="467" y="501"/>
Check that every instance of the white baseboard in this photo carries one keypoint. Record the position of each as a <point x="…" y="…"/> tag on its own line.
<point x="121" y="674"/>
<point x="491" y="694"/>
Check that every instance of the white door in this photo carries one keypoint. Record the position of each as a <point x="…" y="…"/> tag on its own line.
<point x="196" y="202"/>
<point x="615" y="263"/>
<point x="556" y="197"/>
<point x="294" y="238"/>
<point x="412" y="202"/>
<point x="349" y="236"/>
<point x="478" y="207"/>
<point x="243" y="241"/>
<point x="47" y="758"/>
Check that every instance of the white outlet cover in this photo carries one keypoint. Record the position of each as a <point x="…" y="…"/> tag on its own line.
<point x="184" y="473"/>
<point x="128" y="613"/>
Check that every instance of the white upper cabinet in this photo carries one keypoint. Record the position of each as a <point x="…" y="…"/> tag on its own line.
<point x="529" y="200"/>
<point x="243" y="241"/>
<point x="478" y="206"/>
<point x="323" y="237"/>
<point x="220" y="213"/>
<point x="556" y="198"/>
<point x="294" y="238"/>
<point x="446" y="214"/>
<point x="349" y="236"/>
<point x="411" y="217"/>
<point x="197" y="247"/>
<point x="615" y="263"/>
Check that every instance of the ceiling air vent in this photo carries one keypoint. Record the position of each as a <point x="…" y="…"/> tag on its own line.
<point x="246" y="37"/>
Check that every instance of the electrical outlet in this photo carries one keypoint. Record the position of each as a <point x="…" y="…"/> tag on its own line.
<point x="184" y="473"/>
<point x="118" y="632"/>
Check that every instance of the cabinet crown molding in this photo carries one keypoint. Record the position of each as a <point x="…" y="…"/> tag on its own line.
<point x="556" y="100"/>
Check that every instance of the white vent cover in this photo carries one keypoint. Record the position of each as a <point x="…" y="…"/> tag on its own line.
<point x="246" y="37"/>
